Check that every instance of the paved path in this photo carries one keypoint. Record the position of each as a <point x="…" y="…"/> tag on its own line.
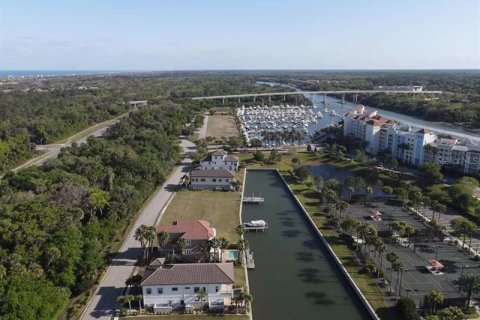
<point x="103" y="303"/>
<point x="202" y="132"/>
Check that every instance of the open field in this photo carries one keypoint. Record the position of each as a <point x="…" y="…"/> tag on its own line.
<point x="217" y="207"/>
<point x="222" y="126"/>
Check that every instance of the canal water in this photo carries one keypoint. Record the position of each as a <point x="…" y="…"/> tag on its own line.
<point x="294" y="276"/>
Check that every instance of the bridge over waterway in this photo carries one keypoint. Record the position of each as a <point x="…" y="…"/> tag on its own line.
<point x="353" y="92"/>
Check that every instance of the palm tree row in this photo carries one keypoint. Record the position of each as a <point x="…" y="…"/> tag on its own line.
<point x="146" y="236"/>
<point x="122" y="300"/>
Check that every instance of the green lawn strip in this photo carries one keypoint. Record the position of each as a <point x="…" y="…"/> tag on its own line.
<point x="240" y="280"/>
<point x="217" y="207"/>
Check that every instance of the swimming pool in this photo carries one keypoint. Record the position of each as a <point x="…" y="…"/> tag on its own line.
<point x="232" y="255"/>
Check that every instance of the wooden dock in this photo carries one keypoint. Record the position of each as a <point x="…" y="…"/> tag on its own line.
<point x="253" y="200"/>
<point x="250" y="261"/>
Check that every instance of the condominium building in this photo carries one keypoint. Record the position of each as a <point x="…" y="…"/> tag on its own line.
<point x="411" y="147"/>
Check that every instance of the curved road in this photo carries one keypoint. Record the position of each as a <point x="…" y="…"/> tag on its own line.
<point x="103" y="303"/>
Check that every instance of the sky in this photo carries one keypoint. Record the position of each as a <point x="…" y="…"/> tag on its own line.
<point x="239" y="34"/>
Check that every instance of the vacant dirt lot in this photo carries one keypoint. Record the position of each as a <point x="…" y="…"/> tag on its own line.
<point x="222" y="126"/>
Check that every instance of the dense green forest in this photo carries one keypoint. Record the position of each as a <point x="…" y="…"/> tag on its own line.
<point x="56" y="221"/>
<point x="40" y="112"/>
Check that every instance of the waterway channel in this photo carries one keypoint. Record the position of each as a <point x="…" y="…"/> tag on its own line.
<point x="342" y="108"/>
<point x="295" y="277"/>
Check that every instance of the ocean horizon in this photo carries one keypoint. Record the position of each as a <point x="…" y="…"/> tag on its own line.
<point x="46" y="73"/>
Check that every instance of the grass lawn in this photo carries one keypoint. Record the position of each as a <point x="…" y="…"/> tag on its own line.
<point x="240" y="280"/>
<point x="217" y="207"/>
<point x="190" y="317"/>
<point x="222" y="126"/>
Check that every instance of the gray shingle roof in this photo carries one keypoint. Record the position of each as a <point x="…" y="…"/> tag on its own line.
<point x="191" y="273"/>
<point x="212" y="174"/>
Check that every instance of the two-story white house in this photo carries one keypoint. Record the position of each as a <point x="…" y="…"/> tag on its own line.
<point x="211" y="179"/>
<point x="220" y="160"/>
<point x="179" y="286"/>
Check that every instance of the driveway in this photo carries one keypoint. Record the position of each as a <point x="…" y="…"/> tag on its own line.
<point x="103" y="303"/>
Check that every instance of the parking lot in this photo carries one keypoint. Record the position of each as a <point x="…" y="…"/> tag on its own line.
<point x="417" y="280"/>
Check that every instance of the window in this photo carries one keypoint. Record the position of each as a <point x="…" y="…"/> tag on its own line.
<point x="226" y="180"/>
<point x="149" y="290"/>
<point x="187" y="251"/>
<point x="214" y="180"/>
<point x="159" y="290"/>
<point x="196" y="289"/>
<point x="188" y="242"/>
<point x="202" y="180"/>
<point x="174" y="289"/>
<point x="219" y="180"/>
<point x="217" y="289"/>
<point x="187" y="288"/>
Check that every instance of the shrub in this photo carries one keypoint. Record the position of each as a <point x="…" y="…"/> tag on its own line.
<point x="407" y="309"/>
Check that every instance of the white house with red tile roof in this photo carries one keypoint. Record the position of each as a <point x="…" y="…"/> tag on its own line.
<point x="195" y="232"/>
<point x="177" y="286"/>
<point x="211" y="179"/>
<point x="220" y="159"/>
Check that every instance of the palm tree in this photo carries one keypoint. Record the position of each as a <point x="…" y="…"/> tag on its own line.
<point x="342" y="207"/>
<point x="121" y="300"/>
<point x="441" y="208"/>
<point x="205" y="249"/>
<point x="182" y="244"/>
<point x="240" y="230"/>
<point x="139" y="298"/>
<point x="149" y="238"/>
<point x="223" y="244"/>
<point x="202" y="295"/>
<point x="369" y="191"/>
<point x="215" y="244"/>
<point x="398" y="266"/>
<point x="53" y="253"/>
<point x="129" y="298"/>
<point x="435" y="298"/>
<point x="163" y="239"/>
<point x="408" y="231"/>
<point x="392" y="257"/>
<point x="140" y="236"/>
<point x="247" y="298"/>
<point x="242" y="246"/>
<point x="471" y="282"/>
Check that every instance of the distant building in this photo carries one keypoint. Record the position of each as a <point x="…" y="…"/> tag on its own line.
<point x="211" y="179"/>
<point x="220" y="160"/>
<point x="195" y="232"/>
<point x="177" y="286"/>
<point x="138" y="103"/>
<point x="400" y="88"/>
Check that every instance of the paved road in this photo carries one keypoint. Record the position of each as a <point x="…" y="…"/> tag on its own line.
<point x="111" y="286"/>
<point x="54" y="149"/>
<point x="202" y="132"/>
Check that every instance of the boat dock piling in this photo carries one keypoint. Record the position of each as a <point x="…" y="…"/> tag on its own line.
<point x="250" y="261"/>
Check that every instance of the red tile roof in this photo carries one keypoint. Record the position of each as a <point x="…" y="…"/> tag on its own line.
<point x="190" y="229"/>
<point x="221" y="173"/>
<point x="183" y="274"/>
<point x="424" y="131"/>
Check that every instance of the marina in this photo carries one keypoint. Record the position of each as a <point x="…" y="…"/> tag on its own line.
<point x="295" y="277"/>
<point x="278" y="124"/>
